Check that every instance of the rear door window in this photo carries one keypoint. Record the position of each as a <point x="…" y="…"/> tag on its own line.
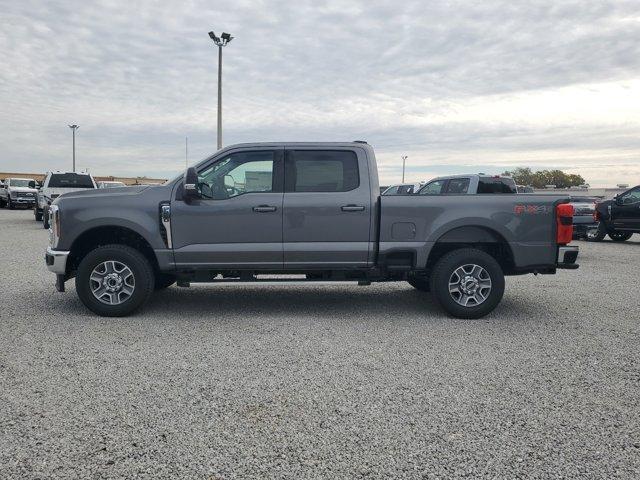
<point x="496" y="185"/>
<point x="70" y="180"/>
<point x="458" y="186"/>
<point x="322" y="171"/>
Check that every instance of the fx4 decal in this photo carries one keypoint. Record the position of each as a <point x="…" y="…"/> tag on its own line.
<point x="531" y="209"/>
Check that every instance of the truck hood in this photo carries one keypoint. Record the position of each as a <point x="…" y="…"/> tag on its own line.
<point x="23" y="189"/>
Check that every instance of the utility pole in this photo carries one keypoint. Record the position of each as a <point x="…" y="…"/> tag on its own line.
<point x="74" y="128"/>
<point x="186" y="152"/>
<point x="404" y="160"/>
<point x="220" y="41"/>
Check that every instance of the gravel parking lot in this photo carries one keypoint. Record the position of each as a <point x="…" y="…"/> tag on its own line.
<point x="320" y="381"/>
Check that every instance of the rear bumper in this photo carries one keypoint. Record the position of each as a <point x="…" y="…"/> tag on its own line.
<point x="567" y="256"/>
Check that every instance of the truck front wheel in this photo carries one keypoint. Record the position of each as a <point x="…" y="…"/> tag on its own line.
<point x="598" y="234"/>
<point x="45" y="217"/>
<point x="37" y="213"/>
<point x="114" y="280"/>
<point x="618" y="236"/>
<point x="467" y="283"/>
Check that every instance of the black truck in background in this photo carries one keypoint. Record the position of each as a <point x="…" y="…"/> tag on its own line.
<point x="619" y="218"/>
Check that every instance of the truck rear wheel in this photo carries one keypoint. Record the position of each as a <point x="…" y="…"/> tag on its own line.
<point x="467" y="283"/>
<point x="114" y="280"/>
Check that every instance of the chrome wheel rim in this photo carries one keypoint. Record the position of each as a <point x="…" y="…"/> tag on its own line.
<point x="470" y="285"/>
<point x="112" y="282"/>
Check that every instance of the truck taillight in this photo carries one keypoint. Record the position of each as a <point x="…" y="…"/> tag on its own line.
<point x="564" y="222"/>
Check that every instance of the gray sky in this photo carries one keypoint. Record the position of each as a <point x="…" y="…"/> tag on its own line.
<point x="456" y="86"/>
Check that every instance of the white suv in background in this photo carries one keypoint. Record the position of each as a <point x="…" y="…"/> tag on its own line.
<point x="17" y="191"/>
<point x="54" y="185"/>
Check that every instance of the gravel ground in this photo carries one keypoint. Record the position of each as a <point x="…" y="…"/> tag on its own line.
<point x="320" y="381"/>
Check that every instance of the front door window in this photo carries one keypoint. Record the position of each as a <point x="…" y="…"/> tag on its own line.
<point x="237" y="174"/>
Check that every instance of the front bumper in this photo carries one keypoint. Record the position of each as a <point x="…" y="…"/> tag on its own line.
<point x="567" y="256"/>
<point x="56" y="261"/>
<point x="23" y="200"/>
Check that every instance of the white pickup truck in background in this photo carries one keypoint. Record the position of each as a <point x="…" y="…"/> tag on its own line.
<point x="17" y="191"/>
<point x="54" y="185"/>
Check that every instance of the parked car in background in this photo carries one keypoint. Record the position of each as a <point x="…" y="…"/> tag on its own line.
<point x="306" y="212"/>
<point x="403" y="189"/>
<point x="111" y="184"/>
<point x="56" y="184"/>
<point x="585" y="224"/>
<point x="469" y="185"/>
<point x="524" y="189"/>
<point x="17" y="192"/>
<point x="619" y="218"/>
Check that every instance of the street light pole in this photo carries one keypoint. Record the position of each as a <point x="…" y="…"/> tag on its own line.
<point x="220" y="41"/>
<point x="74" y="128"/>
<point x="404" y="160"/>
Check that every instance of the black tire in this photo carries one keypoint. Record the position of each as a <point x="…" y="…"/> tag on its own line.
<point x="619" y="236"/>
<point x="45" y="217"/>
<point x="137" y="263"/>
<point x="164" y="280"/>
<point x="2" y="203"/>
<point x="445" y="270"/>
<point x="10" y="204"/>
<point x="598" y="235"/>
<point x="419" y="282"/>
<point x="37" y="213"/>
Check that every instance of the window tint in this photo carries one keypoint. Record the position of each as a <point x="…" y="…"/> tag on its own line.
<point x="406" y="190"/>
<point x="496" y="185"/>
<point x="391" y="191"/>
<point x="458" y="186"/>
<point x="432" y="188"/>
<point x="631" y="197"/>
<point x="246" y="172"/>
<point x="324" y="171"/>
<point x="70" y="180"/>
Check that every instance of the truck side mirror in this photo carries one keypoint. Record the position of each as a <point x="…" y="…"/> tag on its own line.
<point x="32" y="184"/>
<point x="190" y="183"/>
<point x="618" y="200"/>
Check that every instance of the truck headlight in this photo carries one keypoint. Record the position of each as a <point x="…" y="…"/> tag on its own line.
<point x="54" y="225"/>
<point x="13" y="194"/>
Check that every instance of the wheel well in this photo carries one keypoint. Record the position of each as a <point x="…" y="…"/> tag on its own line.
<point x="482" y="238"/>
<point x="108" y="235"/>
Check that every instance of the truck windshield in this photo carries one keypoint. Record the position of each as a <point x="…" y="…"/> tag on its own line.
<point x="19" y="182"/>
<point x="70" y="180"/>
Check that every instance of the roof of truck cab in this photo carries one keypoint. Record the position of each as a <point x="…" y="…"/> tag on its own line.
<point x="299" y="144"/>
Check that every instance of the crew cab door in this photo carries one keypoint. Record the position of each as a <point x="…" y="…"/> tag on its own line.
<point x="237" y="220"/>
<point x="327" y="208"/>
<point x="626" y="210"/>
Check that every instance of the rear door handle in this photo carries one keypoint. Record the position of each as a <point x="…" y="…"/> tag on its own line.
<point x="264" y="208"/>
<point x="352" y="208"/>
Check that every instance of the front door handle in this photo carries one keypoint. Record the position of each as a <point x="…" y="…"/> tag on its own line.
<point x="264" y="208"/>
<point x="352" y="208"/>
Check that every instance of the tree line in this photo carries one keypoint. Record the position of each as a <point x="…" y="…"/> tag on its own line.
<point x="541" y="178"/>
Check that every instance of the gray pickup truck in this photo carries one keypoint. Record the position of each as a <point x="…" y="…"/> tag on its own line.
<point x="300" y="212"/>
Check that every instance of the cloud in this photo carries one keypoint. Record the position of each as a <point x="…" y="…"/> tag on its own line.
<point x="491" y="84"/>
